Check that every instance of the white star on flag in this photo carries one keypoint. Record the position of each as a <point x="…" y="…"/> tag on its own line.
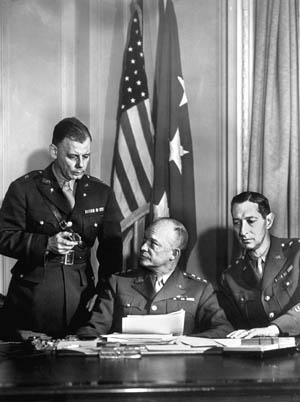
<point x="184" y="98"/>
<point x="177" y="151"/>
<point x="162" y="209"/>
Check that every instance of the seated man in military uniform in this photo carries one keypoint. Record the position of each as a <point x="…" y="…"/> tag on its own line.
<point x="159" y="286"/>
<point x="260" y="290"/>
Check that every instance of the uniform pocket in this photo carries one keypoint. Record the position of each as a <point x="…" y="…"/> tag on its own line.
<point x="189" y="306"/>
<point x="93" y="224"/>
<point x="131" y="304"/>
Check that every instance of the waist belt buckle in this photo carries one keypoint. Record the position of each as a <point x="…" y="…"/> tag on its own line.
<point x="69" y="258"/>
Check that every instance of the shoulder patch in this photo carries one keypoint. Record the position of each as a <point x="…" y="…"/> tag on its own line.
<point x="194" y="276"/>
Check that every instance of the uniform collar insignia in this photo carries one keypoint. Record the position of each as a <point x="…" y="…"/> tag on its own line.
<point x="46" y="181"/>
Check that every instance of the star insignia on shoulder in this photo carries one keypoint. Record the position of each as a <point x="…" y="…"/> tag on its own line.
<point x="194" y="276"/>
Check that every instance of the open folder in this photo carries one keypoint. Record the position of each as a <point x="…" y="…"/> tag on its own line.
<point x="171" y="323"/>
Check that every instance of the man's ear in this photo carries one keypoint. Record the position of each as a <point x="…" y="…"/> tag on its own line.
<point x="175" y="253"/>
<point x="53" y="151"/>
<point x="270" y="219"/>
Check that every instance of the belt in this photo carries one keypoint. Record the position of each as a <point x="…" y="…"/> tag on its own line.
<point x="72" y="257"/>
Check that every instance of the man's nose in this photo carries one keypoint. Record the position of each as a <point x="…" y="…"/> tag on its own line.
<point x="79" y="161"/>
<point x="243" y="228"/>
<point x="144" y="245"/>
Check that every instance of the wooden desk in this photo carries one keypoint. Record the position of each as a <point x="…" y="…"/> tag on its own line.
<point x="47" y="377"/>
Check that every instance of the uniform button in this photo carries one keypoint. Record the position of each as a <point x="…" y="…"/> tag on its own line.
<point x="128" y="305"/>
<point x="287" y="283"/>
<point x="267" y="298"/>
<point x="242" y="299"/>
<point x="96" y="224"/>
<point x="271" y="315"/>
<point x="84" y="194"/>
<point x="42" y="222"/>
<point x="154" y="308"/>
<point x="51" y="190"/>
<point x="21" y="275"/>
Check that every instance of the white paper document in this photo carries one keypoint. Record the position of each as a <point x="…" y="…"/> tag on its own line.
<point x="171" y="323"/>
<point x="141" y="339"/>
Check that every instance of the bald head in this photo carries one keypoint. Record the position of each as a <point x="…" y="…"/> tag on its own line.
<point x="174" y="230"/>
<point x="161" y="249"/>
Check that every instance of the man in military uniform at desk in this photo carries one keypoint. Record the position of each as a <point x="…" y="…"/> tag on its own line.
<point x="49" y="221"/>
<point x="159" y="286"/>
<point x="260" y="291"/>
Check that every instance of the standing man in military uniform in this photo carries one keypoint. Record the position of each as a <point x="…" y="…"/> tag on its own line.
<point x="49" y="221"/>
<point x="260" y="291"/>
<point x="159" y="286"/>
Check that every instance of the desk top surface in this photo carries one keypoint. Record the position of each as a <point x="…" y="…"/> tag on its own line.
<point x="48" y="374"/>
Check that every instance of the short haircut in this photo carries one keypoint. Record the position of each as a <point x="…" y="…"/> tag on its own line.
<point x="257" y="198"/>
<point x="180" y="230"/>
<point x="71" y="128"/>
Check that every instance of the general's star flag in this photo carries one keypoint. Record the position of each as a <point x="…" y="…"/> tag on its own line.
<point x="132" y="177"/>
<point x="173" y="193"/>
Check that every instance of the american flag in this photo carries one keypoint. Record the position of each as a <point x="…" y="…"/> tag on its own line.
<point x="132" y="177"/>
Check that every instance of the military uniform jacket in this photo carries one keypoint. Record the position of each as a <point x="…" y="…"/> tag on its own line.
<point x="132" y="293"/>
<point x="273" y="300"/>
<point x="27" y="221"/>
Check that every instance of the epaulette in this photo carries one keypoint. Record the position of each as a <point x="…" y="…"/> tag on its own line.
<point x="95" y="179"/>
<point x="31" y="175"/>
<point x="127" y="273"/>
<point x="288" y="244"/>
<point x="194" y="276"/>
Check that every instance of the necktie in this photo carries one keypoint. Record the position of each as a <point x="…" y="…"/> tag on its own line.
<point x="158" y="283"/>
<point x="68" y="192"/>
<point x="259" y="268"/>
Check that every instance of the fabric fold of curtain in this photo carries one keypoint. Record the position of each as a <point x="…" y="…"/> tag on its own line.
<point x="274" y="138"/>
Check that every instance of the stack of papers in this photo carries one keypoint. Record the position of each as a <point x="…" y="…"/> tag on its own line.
<point x="186" y="345"/>
<point x="171" y="323"/>
<point x="261" y="346"/>
<point x="138" y="339"/>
